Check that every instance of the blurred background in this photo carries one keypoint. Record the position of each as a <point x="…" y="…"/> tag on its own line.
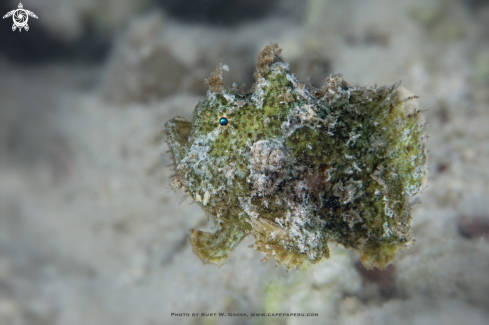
<point x="90" y="232"/>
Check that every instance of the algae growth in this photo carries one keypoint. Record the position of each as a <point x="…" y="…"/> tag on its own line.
<point x="299" y="167"/>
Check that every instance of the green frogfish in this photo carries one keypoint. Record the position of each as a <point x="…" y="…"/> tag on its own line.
<point x="299" y="167"/>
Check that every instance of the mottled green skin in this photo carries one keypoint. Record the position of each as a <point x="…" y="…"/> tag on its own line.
<point x="298" y="167"/>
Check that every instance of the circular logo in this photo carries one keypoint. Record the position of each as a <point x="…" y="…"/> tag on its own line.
<point x="20" y="18"/>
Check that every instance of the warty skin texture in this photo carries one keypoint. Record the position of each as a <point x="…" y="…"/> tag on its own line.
<point x="298" y="167"/>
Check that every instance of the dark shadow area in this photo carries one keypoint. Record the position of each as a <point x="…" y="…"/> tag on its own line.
<point x="38" y="45"/>
<point x="384" y="279"/>
<point x="225" y="12"/>
<point x="476" y="4"/>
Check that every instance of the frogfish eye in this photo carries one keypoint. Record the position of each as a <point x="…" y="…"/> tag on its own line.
<point x="223" y="121"/>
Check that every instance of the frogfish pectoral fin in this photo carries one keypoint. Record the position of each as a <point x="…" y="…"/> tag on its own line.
<point x="377" y="254"/>
<point x="215" y="247"/>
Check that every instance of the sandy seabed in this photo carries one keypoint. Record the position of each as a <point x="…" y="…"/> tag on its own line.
<point x="90" y="232"/>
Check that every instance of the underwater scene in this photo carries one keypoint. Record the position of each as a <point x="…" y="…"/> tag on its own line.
<point x="244" y="162"/>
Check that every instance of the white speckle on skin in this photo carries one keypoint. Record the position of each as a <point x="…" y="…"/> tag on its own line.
<point x="259" y="93"/>
<point x="207" y="196"/>
<point x="229" y="172"/>
<point x="353" y="138"/>
<point x="229" y="97"/>
<point x="387" y="231"/>
<point x="356" y="167"/>
<point x="268" y="165"/>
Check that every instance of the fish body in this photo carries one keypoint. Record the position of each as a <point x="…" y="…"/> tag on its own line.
<point x="298" y="167"/>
